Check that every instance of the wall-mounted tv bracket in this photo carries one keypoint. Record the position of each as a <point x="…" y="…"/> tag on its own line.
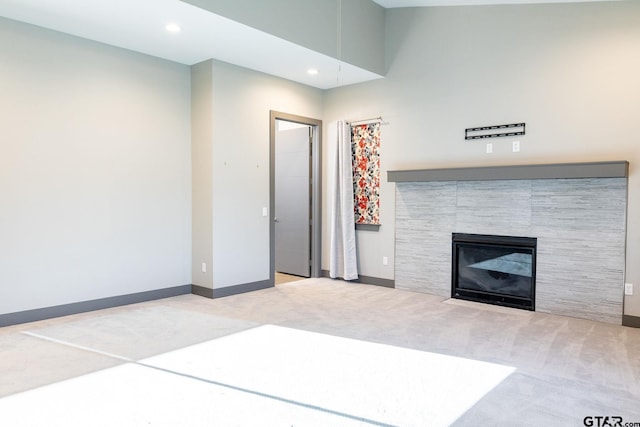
<point x="498" y="131"/>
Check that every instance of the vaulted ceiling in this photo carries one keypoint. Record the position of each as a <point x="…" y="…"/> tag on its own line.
<point x="139" y="25"/>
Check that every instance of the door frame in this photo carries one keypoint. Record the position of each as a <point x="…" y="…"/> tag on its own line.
<point x="316" y="189"/>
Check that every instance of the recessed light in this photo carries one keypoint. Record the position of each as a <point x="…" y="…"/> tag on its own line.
<point x="173" y="28"/>
<point x="312" y="71"/>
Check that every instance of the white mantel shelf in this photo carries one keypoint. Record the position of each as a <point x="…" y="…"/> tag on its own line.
<point x="613" y="169"/>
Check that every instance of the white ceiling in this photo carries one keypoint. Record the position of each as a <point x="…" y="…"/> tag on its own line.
<point x="139" y="25"/>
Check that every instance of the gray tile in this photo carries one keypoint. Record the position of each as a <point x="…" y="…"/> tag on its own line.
<point x="579" y="205"/>
<point x="494" y="207"/>
<point x="425" y="217"/>
<point x="580" y="226"/>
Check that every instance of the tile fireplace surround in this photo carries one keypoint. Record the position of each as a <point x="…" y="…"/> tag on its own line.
<point x="577" y="211"/>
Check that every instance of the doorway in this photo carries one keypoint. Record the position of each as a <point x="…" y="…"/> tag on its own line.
<point x="295" y="196"/>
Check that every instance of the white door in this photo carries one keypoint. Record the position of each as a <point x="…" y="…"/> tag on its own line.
<point x="292" y="198"/>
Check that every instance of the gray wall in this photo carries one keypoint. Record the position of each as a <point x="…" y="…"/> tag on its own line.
<point x="314" y="24"/>
<point x="94" y="170"/>
<point x="235" y="157"/>
<point x="202" y="173"/>
<point x="570" y="71"/>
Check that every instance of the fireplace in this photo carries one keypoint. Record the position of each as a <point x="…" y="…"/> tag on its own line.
<point x="494" y="269"/>
<point x="577" y="211"/>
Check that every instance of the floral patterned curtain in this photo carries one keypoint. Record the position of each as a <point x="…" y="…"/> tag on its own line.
<point x="365" y="147"/>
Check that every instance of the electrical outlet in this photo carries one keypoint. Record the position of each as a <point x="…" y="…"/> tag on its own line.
<point x="204" y="267"/>
<point x="385" y="260"/>
<point x="628" y="288"/>
<point x="516" y="146"/>
<point x="489" y="148"/>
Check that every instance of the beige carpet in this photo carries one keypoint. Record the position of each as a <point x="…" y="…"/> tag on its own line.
<point x="553" y="370"/>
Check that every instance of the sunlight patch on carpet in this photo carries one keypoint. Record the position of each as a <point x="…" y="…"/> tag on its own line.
<point x="268" y="375"/>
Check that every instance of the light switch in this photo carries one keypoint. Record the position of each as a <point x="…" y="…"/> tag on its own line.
<point x="265" y="212"/>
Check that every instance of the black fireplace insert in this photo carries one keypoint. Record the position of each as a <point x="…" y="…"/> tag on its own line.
<point x="494" y="269"/>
